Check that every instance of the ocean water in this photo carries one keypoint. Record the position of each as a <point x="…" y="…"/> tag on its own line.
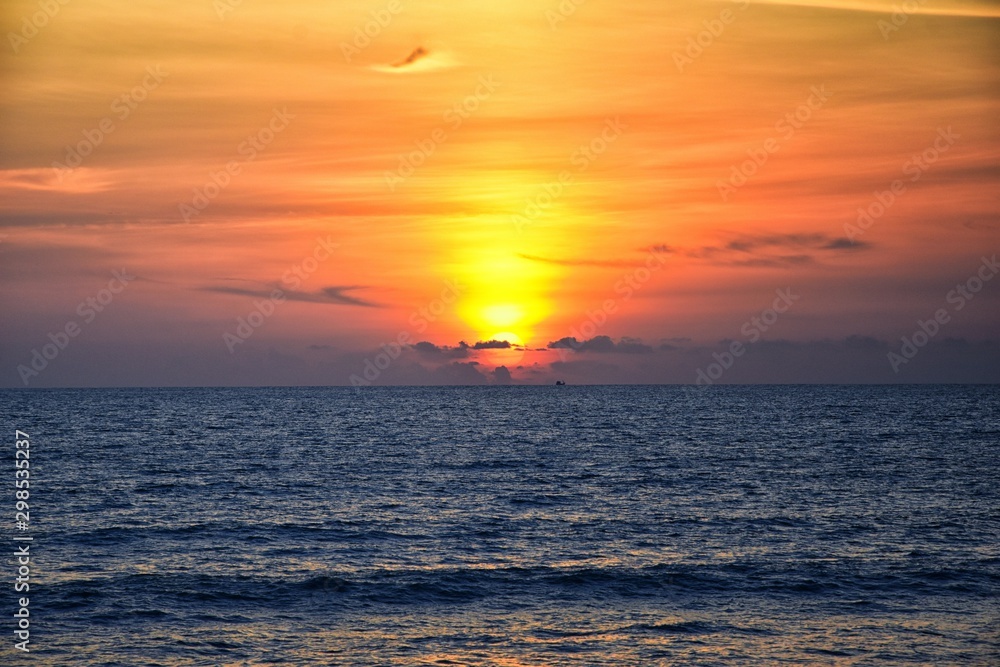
<point x="510" y="526"/>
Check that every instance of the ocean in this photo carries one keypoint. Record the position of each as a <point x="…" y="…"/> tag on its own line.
<point x="508" y="526"/>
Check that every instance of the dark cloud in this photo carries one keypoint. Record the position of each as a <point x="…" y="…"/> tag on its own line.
<point x="762" y="251"/>
<point x="750" y="243"/>
<point x="670" y="344"/>
<point x="767" y="250"/>
<point x="602" y="345"/>
<point x="846" y="244"/>
<point x="109" y="361"/>
<point x="633" y="346"/>
<point x="492" y="345"/>
<point x="458" y="373"/>
<point x="333" y="294"/>
<point x="501" y="375"/>
<point x="417" y="54"/>
<point x="430" y="350"/>
<point x="777" y="262"/>
<point x="460" y="351"/>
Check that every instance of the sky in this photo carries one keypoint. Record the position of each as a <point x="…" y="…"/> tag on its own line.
<point x="241" y="192"/>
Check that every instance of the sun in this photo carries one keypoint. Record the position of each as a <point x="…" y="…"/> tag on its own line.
<point x="507" y="295"/>
<point x="505" y="289"/>
<point x="502" y="315"/>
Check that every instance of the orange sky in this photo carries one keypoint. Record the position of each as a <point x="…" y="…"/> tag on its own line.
<point x="531" y="161"/>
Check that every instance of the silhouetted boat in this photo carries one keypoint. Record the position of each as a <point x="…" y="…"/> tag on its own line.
<point x="560" y="383"/>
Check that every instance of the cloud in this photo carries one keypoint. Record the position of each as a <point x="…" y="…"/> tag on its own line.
<point x="333" y="294"/>
<point x="492" y="345"/>
<point x="577" y="262"/>
<point x="458" y="373"/>
<point x="766" y="250"/>
<point x="461" y="351"/>
<point x="501" y="375"/>
<point x="430" y="350"/>
<point x="421" y="59"/>
<point x="82" y="180"/>
<point x="602" y="345"/>
<point x="416" y="55"/>
<point x="845" y="244"/>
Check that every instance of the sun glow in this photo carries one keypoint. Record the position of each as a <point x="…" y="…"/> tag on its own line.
<point x="503" y="315"/>
<point x="513" y="307"/>
<point x="500" y="256"/>
<point x="506" y="292"/>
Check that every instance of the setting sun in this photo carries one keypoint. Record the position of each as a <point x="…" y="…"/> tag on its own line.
<point x="504" y="315"/>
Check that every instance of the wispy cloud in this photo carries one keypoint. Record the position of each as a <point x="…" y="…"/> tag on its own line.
<point x="333" y="294"/>
<point x="418" y="53"/>
<point x="766" y="250"/>
<point x="421" y="59"/>
<point x="577" y="262"/>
